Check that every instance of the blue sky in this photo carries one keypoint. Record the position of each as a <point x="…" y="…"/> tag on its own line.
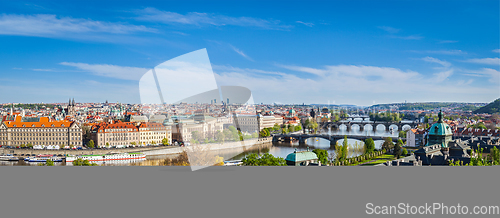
<point x="355" y="52"/>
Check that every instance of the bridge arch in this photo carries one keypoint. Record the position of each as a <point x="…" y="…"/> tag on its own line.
<point x="359" y="126"/>
<point x="378" y="126"/>
<point x="394" y="127"/>
<point x="406" y="127"/>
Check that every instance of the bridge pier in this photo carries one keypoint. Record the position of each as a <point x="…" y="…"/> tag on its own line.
<point x="361" y="128"/>
<point x="333" y="142"/>
<point x="348" y="127"/>
<point x="302" y="140"/>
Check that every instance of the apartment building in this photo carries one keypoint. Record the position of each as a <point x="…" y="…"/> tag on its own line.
<point x="40" y="131"/>
<point x="116" y="133"/>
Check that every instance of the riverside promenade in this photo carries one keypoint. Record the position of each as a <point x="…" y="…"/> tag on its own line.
<point x="148" y="151"/>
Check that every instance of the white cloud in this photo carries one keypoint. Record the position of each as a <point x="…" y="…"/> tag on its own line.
<point x="411" y="37"/>
<point x="448" y="41"/>
<point x="196" y="18"/>
<point x="493" y="74"/>
<point x="442" y="76"/>
<point x="240" y="52"/>
<point x="496" y="50"/>
<point x="443" y="52"/>
<point x="307" y="24"/>
<point x="389" y="29"/>
<point x="491" y="61"/>
<point x="356" y="84"/>
<point x="49" y="25"/>
<point x="435" y="60"/>
<point x="314" y="71"/>
<point x="113" y="71"/>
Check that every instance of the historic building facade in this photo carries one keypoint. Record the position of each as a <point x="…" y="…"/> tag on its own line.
<point x="40" y="131"/>
<point x="115" y="134"/>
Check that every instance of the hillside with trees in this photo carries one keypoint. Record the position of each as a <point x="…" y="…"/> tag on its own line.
<point x="491" y="108"/>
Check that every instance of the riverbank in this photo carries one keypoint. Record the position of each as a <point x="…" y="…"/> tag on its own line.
<point x="34" y="152"/>
<point x="228" y="147"/>
<point x="167" y="151"/>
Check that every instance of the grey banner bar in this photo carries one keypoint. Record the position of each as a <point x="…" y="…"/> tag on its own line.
<point x="117" y="191"/>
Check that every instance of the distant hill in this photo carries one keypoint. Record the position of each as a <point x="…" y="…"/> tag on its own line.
<point x="430" y="106"/>
<point x="491" y="108"/>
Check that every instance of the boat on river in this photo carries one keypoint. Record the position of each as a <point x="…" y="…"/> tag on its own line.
<point x="107" y="157"/>
<point x="43" y="158"/>
<point x="8" y="157"/>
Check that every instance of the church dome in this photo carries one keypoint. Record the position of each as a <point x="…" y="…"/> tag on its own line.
<point x="291" y="111"/>
<point x="440" y="128"/>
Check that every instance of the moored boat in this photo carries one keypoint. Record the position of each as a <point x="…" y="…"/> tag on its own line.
<point x="107" y="157"/>
<point x="43" y="158"/>
<point x="8" y="157"/>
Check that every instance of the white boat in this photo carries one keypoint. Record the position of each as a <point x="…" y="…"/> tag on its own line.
<point x="8" y="157"/>
<point x="43" y="158"/>
<point x="233" y="163"/>
<point x="107" y="157"/>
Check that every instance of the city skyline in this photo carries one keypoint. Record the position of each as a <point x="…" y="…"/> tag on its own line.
<point x="332" y="53"/>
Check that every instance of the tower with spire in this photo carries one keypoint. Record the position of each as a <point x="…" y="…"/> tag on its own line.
<point x="71" y="110"/>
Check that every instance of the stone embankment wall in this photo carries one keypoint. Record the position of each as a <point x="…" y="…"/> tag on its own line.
<point x="232" y="146"/>
<point x="162" y="150"/>
<point x="24" y="152"/>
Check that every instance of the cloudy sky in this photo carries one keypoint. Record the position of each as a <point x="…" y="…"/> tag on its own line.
<point x="356" y="52"/>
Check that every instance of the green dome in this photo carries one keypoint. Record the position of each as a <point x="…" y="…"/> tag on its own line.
<point x="291" y="111"/>
<point x="299" y="156"/>
<point x="440" y="128"/>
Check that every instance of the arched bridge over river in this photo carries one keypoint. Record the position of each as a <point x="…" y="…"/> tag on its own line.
<point x="362" y="125"/>
<point x="332" y="138"/>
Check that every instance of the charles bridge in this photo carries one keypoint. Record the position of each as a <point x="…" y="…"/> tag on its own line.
<point x="363" y="124"/>
<point x="332" y="138"/>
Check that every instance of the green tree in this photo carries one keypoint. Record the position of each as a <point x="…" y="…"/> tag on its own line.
<point x="397" y="149"/>
<point x="369" y="146"/>
<point x="388" y="144"/>
<point x="276" y="127"/>
<point x="107" y="145"/>
<point x="165" y="142"/>
<point x="322" y="155"/>
<point x="255" y="135"/>
<point x="90" y="144"/>
<point x="49" y="162"/>
<point x="345" y="148"/>
<point x="264" y="133"/>
<point x="338" y="151"/>
<point x="220" y="136"/>
<point x="402" y="134"/>
<point x="266" y="160"/>
<point x="227" y="134"/>
<point x="251" y="160"/>
<point x="270" y="160"/>
<point x="196" y="135"/>
<point x="479" y="160"/>
<point x="495" y="155"/>
<point x="404" y="152"/>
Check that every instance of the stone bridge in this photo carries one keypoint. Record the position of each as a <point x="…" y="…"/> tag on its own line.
<point x="362" y="125"/>
<point x="332" y="138"/>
